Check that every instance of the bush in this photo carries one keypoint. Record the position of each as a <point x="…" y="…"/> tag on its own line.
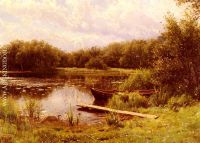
<point x="95" y="63"/>
<point x="140" y="79"/>
<point x="129" y="101"/>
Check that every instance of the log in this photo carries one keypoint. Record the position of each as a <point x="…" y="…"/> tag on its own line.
<point x="105" y="109"/>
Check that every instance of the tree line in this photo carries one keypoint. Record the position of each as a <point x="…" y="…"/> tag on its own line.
<point x="36" y="55"/>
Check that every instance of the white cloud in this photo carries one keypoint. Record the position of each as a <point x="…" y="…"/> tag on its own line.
<point x="72" y="24"/>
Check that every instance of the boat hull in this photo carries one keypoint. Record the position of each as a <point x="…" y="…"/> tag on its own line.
<point x="101" y="94"/>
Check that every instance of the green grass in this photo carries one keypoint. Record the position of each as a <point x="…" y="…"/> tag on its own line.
<point x="128" y="101"/>
<point x="171" y="127"/>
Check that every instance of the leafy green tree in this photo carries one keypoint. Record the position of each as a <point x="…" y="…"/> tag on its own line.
<point x="135" y="54"/>
<point x="80" y="58"/>
<point x="32" y="55"/>
<point x="96" y="63"/>
<point x="112" y="54"/>
<point x="177" y="68"/>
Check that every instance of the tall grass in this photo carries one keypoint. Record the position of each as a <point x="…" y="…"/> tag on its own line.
<point x="32" y="108"/>
<point x="9" y="111"/>
<point x="128" y="101"/>
<point x="72" y="118"/>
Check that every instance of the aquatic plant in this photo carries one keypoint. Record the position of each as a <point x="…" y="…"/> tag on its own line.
<point x="72" y="118"/>
<point x="32" y="108"/>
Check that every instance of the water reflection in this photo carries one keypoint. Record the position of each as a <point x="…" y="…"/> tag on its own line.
<point x="61" y="99"/>
<point x="57" y="96"/>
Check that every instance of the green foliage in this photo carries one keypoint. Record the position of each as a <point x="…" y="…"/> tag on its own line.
<point x="137" y="54"/>
<point x="112" y="54"/>
<point x="95" y="63"/>
<point x="128" y="101"/>
<point x="33" y="55"/>
<point x="140" y="79"/>
<point x="177" y="66"/>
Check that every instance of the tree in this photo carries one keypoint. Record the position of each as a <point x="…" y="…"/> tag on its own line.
<point x="112" y="54"/>
<point x="32" y="55"/>
<point x="134" y="55"/>
<point x="96" y="63"/>
<point x="80" y="58"/>
<point x="193" y="4"/>
<point x="177" y="68"/>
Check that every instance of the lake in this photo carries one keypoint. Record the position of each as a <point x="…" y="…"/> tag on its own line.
<point x="58" y="96"/>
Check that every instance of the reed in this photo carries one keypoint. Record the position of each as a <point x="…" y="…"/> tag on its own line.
<point x="72" y="118"/>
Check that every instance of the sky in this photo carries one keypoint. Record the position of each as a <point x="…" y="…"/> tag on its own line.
<point x="74" y="24"/>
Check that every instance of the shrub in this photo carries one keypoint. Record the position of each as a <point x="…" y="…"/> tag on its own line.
<point x="128" y="101"/>
<point x="140" y="79"/>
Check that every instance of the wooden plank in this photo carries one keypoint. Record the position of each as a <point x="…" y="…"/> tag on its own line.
<point x="100" y="108"/>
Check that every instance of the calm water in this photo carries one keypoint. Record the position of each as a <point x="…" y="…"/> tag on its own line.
<point x="59" y="96"/>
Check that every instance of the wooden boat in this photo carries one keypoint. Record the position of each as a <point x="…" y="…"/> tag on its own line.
<point x="102" y="94"/>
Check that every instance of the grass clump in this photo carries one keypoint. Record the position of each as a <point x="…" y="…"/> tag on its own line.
<point x="113" y="119"/>
<point x="72" y="118"/>
<point x="140" y="79"/>
<point x="159" y="99"/>
<point x="32" y="108"/>
<point x="128" y="101"/>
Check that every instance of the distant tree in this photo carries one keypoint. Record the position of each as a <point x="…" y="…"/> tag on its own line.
<point x="94" y="52"/>
<point x="80" y="58"/>
<point x="134" y="55"/>
<point x="13" y="49"/>
<point x="112" y="54"/>
<point x="32" y="55"/>
<point x="96" y="63"/>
